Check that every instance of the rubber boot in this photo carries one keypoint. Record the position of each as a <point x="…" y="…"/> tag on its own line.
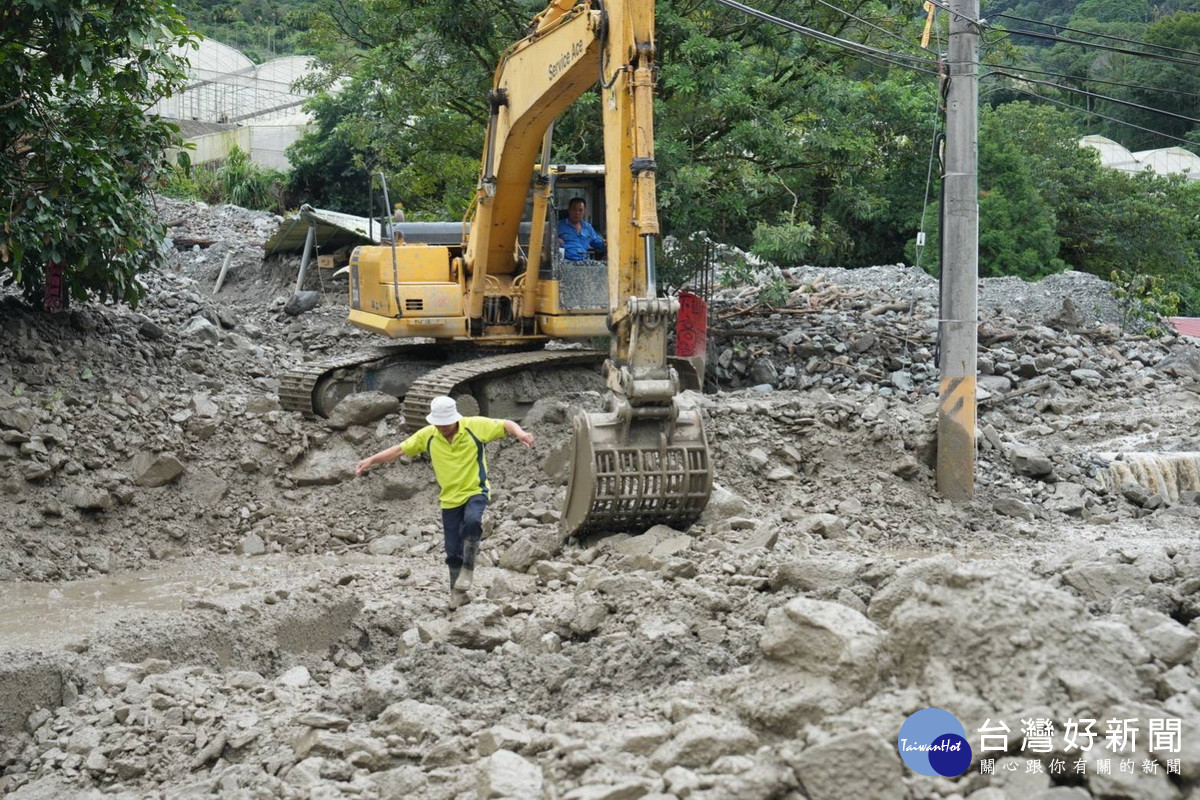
<point x="467" y="577"/>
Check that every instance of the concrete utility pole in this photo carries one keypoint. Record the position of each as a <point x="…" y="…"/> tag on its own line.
<point x="960" y="260"/>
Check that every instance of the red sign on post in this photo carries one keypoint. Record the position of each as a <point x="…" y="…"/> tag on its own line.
<point x="691" y="329"/>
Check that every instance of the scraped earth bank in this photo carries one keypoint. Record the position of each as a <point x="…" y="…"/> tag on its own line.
<point x="200" y="599"/>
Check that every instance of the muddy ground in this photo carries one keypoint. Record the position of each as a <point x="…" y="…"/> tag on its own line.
<point x="199" y="599"/>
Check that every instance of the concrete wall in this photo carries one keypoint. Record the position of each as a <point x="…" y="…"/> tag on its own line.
<point x="217" y="146"/>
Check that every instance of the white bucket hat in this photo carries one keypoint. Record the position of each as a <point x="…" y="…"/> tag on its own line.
<point x="443" y="411"/>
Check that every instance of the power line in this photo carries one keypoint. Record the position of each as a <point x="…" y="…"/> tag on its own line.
<point x="881" y="29"/>
<point x="1097" y="114"/>
<point x="1094" y="80"/>
<point x="1098" y="46"/>
<point x="1101" y="35"/>
<point x="1097" y="96"/>
<point x="862" y="49"/>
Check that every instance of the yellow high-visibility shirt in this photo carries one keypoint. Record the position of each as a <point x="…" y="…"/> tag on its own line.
<point x="460" y="465"/>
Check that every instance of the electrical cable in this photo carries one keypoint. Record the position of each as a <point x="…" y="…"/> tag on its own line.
<point x="1100" y="35"/>
<point x="852" y="16"/>
<point x="862" y="49"/>
<point x="1098" y="114"/>
<point x="1092" y="80"/>
<point x="1098" y="46"/>
<point x="1093" y="94"/>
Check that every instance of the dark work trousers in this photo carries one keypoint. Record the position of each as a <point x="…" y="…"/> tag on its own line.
<point x="462" y="525"/>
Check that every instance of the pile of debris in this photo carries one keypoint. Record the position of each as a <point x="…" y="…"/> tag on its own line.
<point x="772" y="650"/>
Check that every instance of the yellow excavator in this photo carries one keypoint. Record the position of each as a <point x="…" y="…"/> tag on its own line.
<point x="642" y="461"/>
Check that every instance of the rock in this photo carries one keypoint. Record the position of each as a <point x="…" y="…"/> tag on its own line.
<point x="902" y="380"/>
<point x="201" y="330"/>
<point x="1011" y="507"/>
<point x="400" y="486"/>
<point x="1060" y="793"/>
<point x="362" y="408"/>
<point x="301" y="303"/>
<point x="324" y="468"/>
<point x="252" y="545"/>
<point x="318" y="719"/>
<point x="629" y="790"/>
<point x="857" y="765"/>
<point x="644" y="739"/>
<point x="823" y="638"/>
<point x="399" y="783"/>
<point x="88" y="498"/>
<point x="1184" y="362"/>
<point x="204" y="406"/>
<point x="19" y="418"/>
<point x="413" y="719"/>
<point x="830" y="526"/>
<point x="763" y="371"/>
<point x="701" y="739"/>
<point x="1170" y="642"/>
<point x="722" y="504"/>
<point x="96" y="557"/>
<point x="1030" y="461"/>
<point x="1068" y="498"/>
<point x="381" y="688"/>
<point x="527" y="551"/>
<point x="387" y="545"/>
<point x="478" y="626"/>
<point x="814" y="574"/>
<point x="1106" y="581"/>
<point x="149" y="329"/>
<point x="781" y="474"/>
<point x="506" y="774"/>
<point x="296" y="677"/>
<point x="151" y="470"/>
<point x="498" y="737"/>
<point x="995" y="384"/>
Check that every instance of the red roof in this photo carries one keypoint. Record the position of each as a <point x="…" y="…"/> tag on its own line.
<point x="1188" y="326"/>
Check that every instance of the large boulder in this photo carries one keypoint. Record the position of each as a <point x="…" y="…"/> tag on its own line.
<point x="362" y="408"/>
<point x="506" y="774"/>
<point x="858" y="765"/>
<point x="823" y="638"/>
<point x="153" y="470"/>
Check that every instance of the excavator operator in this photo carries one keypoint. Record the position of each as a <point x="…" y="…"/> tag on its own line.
<point x="576" y="236"/>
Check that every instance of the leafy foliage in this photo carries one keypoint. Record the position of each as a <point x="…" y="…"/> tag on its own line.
<point x="262" y="29"/>
<point x="78" y="152"/>
<point x="1144" y="300"/>
<point x="237" y="180"/>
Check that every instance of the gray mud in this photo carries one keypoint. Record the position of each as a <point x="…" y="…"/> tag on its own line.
<point x="201" y="600"/>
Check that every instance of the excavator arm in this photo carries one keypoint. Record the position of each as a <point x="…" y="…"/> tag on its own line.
<point x="644" y="460"/>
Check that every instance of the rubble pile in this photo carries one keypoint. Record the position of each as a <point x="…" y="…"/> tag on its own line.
<point x="773" y="650"/>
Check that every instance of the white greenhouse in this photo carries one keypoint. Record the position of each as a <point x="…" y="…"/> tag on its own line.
<point x="231" y="101"/>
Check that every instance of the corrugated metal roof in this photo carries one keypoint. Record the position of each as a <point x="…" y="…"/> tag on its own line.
<point x="1188" y="326"/>
<point x="333" y="231"/>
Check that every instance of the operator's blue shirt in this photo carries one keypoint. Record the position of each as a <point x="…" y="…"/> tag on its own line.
<point x="576" y="243"/>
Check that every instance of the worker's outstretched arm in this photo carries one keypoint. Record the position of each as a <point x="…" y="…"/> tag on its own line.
<point x="517" y="432"/>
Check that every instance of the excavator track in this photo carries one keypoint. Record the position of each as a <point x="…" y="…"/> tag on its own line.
<point x="297" y="385"/>
<point x="446" y="380"/>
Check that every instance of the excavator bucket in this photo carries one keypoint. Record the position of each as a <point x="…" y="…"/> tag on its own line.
<point x="631" y="473"/>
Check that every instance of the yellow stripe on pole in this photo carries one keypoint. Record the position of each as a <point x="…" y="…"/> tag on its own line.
<point x="930" y="8"/>
<point x="956" y="438"/>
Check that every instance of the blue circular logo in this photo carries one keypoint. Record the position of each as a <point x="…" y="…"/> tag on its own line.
<point x="933" y="742"/>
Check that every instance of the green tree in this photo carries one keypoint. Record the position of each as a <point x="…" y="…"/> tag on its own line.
<point x="763" y="137"/>
<point x="79" y="155"/>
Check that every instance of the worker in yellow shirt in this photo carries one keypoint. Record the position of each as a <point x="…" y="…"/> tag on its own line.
<point x="454" y="444"/>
